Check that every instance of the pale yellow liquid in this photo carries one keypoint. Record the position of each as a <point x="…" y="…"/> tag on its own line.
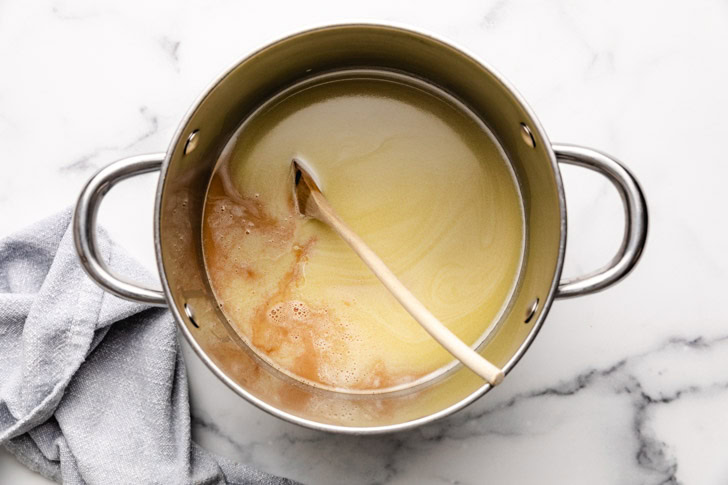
<point x="419" y="179"/>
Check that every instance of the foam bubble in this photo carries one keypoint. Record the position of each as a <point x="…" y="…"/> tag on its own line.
<point x="277" y="314"/>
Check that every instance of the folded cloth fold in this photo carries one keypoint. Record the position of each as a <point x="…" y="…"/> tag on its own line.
<point x="93" y="388"/>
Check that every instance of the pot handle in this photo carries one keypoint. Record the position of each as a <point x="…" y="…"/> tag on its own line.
<point x="635" y="220"/>
<point x="84" y="227"/>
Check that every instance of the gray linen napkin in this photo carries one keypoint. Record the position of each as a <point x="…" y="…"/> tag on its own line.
<point x="93" y="388"/>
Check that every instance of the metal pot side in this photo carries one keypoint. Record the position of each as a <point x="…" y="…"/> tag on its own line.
<point x="189" y="165"/>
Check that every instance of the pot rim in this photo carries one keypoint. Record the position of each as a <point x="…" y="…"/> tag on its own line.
<point x="360" y="430"/>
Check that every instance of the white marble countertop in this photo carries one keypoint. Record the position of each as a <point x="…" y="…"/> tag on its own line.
<point x="627" y="386"/>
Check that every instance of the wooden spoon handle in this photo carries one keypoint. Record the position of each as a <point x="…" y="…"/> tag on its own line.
<point x="473" y="360"/>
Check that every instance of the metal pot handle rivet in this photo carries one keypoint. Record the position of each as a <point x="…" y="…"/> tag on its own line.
<point x="84" y="227"/>
<point x="635" y="220"/>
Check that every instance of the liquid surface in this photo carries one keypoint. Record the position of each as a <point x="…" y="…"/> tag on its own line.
<point x="422" y="183"/>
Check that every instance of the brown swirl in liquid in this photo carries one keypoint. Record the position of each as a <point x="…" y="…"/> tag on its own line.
<point x="306" y="339"/>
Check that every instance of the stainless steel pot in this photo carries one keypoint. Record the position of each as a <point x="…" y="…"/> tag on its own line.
<point x="188" y="164"/>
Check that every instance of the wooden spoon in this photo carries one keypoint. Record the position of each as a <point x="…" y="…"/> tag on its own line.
<point x="309" y="201"/>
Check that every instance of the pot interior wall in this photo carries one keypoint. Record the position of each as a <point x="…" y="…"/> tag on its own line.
<point x="220" y="112"/>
